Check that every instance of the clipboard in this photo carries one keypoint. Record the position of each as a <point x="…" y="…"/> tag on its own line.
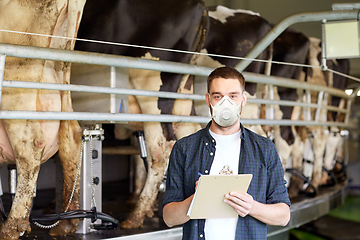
<point x="210" y="193"/>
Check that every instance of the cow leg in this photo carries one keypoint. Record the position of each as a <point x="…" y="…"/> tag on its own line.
<point x="184" y="108"/>
<point x="332" y="143"/>
<point x="28" y="143"/>
<point x="69" y="153"/>
<point x="297" y="152"/>
<point x="319" y="149"/>
<point x="158" y="153"/>
<point x="158" y="148"/>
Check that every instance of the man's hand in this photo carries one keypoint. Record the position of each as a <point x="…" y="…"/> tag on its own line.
<point x="272" y="214"/>
<point x="242" y="204"/>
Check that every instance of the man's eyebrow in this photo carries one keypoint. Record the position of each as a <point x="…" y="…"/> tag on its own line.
<point x="214" y="93"/>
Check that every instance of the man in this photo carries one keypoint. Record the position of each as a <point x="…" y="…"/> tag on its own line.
<point x="226" y="147"/>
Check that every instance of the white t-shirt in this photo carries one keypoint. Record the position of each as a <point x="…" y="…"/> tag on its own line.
<point x="227" y="153"/>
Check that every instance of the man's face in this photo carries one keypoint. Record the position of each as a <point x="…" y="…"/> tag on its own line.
<point x="221" y="87"/>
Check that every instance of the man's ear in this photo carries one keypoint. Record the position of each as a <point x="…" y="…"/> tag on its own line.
<point x="244" y="99"/>
<point x="207" y="98"/>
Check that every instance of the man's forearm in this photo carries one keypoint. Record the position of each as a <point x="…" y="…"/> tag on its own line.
<point x="272" y="214"/>
<point x="175" y="213"/>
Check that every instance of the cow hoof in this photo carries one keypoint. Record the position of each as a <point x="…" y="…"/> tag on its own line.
<point x="150" y="214"/>
<point x="65" y="227"/>
<point x="12" y="228"/>
<point x="133" y="223"/>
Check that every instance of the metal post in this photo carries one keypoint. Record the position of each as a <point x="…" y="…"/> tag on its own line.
<point x="91" y="177"/>
<point x="2" y="70"/>
<point x="323" y="47"/>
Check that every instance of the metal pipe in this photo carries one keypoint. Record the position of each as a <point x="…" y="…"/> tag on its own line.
<point x="97" y="89"/>
<point x="101" y="59"/>
<point x="110" y="60"/>
<point x="109" y="90"/>
<point x="2" y="70"/>
<point x="323" y="46"/>
<point x="130" y="62"/>
<point x="123" y="117"/>
<point x="288" y="21"/>
<point x="291" y="83"/>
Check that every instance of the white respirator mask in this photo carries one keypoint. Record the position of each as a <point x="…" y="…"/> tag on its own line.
<point x="225" y="112"/>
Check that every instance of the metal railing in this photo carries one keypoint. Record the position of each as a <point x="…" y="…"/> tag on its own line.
<point x="138" y="63"/>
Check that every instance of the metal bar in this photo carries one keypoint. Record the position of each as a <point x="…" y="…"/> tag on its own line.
<point x="323" y="46"/>
<point x="2" y="70"/>
<point x="112" y="85"/>
<point x="123" y="117"/>
<point x="111" y="60"/>
<point x="101" y="59"/>
<point x="124" y="91"/>
<point x="139" y="63"/>
<point x="291" y="83"/>
<point x="97" y="89"/>
<point x="288" y="21"/>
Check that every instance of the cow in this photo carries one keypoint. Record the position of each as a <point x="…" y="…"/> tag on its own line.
<point x="234" y="33"/>
<point x="165" y="24"/>
<point x="29" y="143"/>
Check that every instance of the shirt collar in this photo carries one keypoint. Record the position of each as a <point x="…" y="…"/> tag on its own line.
<point x="211" y="139"/>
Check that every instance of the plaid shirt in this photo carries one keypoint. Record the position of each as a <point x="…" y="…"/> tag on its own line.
<point x="258" y="156"/>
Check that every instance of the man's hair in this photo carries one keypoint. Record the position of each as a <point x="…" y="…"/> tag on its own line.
<point x="225" y="72"/>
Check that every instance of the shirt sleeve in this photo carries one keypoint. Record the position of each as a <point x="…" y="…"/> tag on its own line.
<point x="174" y="181"/>
<point x="276" y="189"/>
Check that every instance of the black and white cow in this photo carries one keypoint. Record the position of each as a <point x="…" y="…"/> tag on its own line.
<point x="163" y="24"/>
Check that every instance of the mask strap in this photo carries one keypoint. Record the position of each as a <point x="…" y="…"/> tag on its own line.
<point x="212" y="107"/>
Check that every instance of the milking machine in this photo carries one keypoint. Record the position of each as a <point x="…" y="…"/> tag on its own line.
<point x="142" y="147"/>
<point x="143" y="154"/>
<point x="89" y="167"/>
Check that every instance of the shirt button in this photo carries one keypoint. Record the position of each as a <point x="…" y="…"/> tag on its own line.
<point x="211" y="154"/>
<point x="206" y="171"/>
<point x="201" y="235"/>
